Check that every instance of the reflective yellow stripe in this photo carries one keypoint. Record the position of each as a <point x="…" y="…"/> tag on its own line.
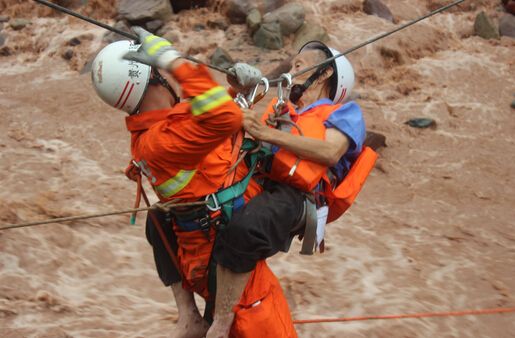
<point x="176" y="183"/>
<point x="150" y="38"/>
<point x="155" y="48"/>
<point x="209" y="100"/>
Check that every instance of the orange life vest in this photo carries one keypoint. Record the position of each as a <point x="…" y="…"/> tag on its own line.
<point x="305" y="175"/>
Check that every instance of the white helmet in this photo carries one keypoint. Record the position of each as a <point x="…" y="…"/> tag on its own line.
<point x="119" y="82"/>
<point x="343" y="77"/>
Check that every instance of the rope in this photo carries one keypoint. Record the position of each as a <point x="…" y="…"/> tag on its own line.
<point x="405" y="316"/>
<point x="103" y="214"/>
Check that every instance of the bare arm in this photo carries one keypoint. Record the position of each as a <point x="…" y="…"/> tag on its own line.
<point x="326" y="152"/>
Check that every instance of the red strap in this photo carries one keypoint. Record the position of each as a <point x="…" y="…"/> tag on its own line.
<point x="237" y="142"/>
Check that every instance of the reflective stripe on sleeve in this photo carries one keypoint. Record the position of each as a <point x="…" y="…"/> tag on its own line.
<point x="157" y="46"/>
<point x="176" y="183"/>
<point x="210" y="100"/>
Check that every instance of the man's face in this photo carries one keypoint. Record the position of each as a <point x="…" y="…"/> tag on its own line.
<point x="303" y="60"/>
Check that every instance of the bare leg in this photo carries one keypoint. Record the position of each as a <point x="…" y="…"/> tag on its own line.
<point x="190" y="323"/>
<point x="229" y="288"/>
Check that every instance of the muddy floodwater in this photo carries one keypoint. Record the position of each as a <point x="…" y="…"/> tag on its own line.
<point x="432" y="230"/>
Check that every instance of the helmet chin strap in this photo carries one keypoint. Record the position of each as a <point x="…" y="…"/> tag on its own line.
<point x="158" y="79"/>
<point x="298" y="90"/>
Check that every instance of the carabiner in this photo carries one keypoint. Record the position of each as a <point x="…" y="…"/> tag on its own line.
<point x="278" y="107"/>
<point x="241" y="100"/>
<point x="254" y="98"/>
<point x="215" y="201"/>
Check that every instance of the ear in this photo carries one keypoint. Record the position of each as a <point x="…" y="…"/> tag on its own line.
<point x="326" y="75"/>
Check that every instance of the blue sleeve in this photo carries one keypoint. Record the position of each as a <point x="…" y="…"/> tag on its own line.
<point x="349" y="120"/>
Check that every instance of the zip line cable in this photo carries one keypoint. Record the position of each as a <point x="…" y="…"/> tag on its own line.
<point x="103" y="214"/>
<point x="331" y="59"/>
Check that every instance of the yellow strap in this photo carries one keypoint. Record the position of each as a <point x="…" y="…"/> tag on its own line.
<point x="209" y="100"/>
<point x="176" y="183"/>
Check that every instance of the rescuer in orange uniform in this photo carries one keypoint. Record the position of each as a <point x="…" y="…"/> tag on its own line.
<point x="185" y="150"/>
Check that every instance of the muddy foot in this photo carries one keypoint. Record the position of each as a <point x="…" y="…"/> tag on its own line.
<point x="191" y="328"/>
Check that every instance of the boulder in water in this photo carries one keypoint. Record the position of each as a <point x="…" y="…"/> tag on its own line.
<point x="485" y="28"/>
<point x="221" y="58"/>
<point x="237" y="10"/>
<point x="375" y="140"/>
<point x="507" y="26"/>
<point x="421" y="123"/>
<point x="138" y="12"/>
<point x="154" y="25"/>
<point x="254" y="20"/>
<point x="18" y="24"/>
<point x="309" y="32"/>
<point x="377" y="8"/>
<point x="290" y="17"/>
<point x="269" y="36"/>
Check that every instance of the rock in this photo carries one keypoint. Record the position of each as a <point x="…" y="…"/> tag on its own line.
<point x="217" y="24"/>
<point x="198" y="27"/>
<point x="2" y="39"/>
<point x="154" y="25"/>
<point x="484" y="27"/>
<point x="237" y="10"/>
<point x="269" y="36"/>
<point x="221" y="58"/>
<point x="1" y="26"/>
<point x="290" y="17"/>
<point x="377" y="8"/>
<point x="4" y="18"/>
<point x="254" y="20"/>
<point x="140" y="11"/>
<point x="68" y="54"/>
<point x="309" y="32"/>
<point x="110" y="37"/>
<point x="421" y="123"/>
<point x="73" y="42"/>
<point x="375" y="140"/>
<point x="509" y="6"/>
<point x="507" y="26"/>
<point x="18" y="24"/>
<point x="179" y="5"/>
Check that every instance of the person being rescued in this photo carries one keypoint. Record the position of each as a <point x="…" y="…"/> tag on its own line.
<point x="184" y="144"/>
<point x="317" y="147"/>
